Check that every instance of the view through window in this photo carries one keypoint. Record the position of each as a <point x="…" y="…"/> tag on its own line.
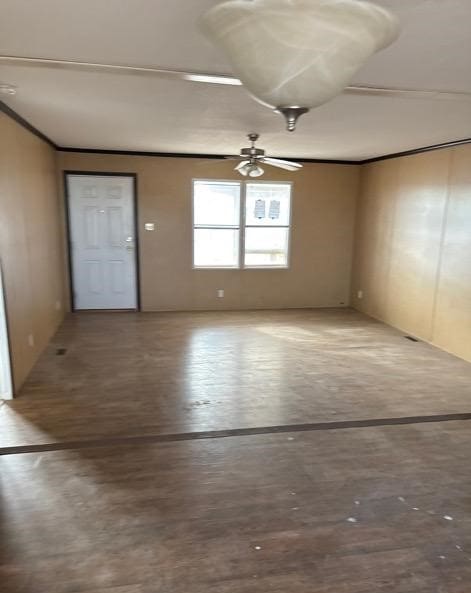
<point x="241" y="224"/>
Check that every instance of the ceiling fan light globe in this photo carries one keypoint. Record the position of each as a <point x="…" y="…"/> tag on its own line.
<point x="298" y="53"/>
<point x="255" y="171"/>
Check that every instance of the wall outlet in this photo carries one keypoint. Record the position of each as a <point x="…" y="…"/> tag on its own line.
<point x="58" y="305"/>
<point x="149" y="226"/>
<point x="31" y="340"/>
<point x="360" y="294"/>
<point x="220" y="293"/>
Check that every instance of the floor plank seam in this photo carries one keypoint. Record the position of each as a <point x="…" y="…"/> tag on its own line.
<point x="227" y="433"/>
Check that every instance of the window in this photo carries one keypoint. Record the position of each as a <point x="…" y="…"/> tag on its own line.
<point x="216" y="222"/>
<point x="219" y="207"/>
<point x="267" y="214"/>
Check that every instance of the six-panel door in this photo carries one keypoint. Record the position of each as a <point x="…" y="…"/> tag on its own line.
<point x="102" y="242"/>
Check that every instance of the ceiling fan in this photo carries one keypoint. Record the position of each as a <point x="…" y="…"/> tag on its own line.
<point x="251" y="158"/>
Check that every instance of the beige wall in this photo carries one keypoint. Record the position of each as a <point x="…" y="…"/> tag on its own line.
<point x="324" y="202"/>
<point x="413" y="246"/>
<point x="412" y="249"/>
<point x="30" y="243"/>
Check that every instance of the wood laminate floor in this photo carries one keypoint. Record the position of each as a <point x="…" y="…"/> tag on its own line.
<point x="127" y="374"/>
<point x="163" y="453"/>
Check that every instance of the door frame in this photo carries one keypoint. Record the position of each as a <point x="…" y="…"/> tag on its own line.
<point x="133" y="176"/>
<point x="5" y="345"/>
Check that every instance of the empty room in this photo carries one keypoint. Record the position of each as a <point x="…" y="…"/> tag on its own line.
<point x="235" y="296"/>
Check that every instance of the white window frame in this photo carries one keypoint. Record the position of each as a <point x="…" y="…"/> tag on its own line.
<point x="267" y="226"/>
<point x="210" y="226"/>
<point x="242" y="226"/>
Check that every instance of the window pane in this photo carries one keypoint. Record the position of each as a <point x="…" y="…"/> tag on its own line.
<point x="267" y="204"/>
<point x="266" y="247"/>
<point x="216" y="248"/>
<point x="216" y="203"/>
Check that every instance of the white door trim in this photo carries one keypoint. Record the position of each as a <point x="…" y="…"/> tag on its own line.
<point x="133" y="177"/>
<point x="6" y="385"/>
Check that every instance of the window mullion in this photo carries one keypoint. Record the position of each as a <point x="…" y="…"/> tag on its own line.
<point x="243" y="190"/>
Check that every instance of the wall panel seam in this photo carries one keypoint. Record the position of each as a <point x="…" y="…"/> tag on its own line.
<point x="438" y="277"/>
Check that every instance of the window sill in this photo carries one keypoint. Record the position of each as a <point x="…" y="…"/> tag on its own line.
<point x="240" y="268"/>
<point x="216" y="268"/>
<point x="265" y="268"/>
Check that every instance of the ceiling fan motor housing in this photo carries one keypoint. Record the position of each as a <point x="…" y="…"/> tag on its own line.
<point x="252" y="152"/>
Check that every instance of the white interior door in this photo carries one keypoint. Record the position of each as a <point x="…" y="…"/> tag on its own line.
<point x="102" y="241"/>
<point x="6" y="389"/>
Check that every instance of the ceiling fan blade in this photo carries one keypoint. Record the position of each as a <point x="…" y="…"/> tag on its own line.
<point x="211" y="161"/>
<point x="288" y="165"/>
<point x="204" y="77"/>
<point x="406" y="93"/>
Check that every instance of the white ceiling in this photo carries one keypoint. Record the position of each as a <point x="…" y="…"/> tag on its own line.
<point x="111" y="111"/>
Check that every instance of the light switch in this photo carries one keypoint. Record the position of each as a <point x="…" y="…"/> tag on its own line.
<point x="149" y="226"/>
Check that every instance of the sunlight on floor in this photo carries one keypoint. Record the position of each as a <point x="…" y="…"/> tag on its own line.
<point x="16" y="429"/>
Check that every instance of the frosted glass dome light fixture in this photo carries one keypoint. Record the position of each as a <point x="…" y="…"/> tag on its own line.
<point x="294" y="55"/>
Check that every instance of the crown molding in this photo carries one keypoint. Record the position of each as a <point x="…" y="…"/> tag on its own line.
<point x="183" y="155"/>
<point x="393" y="155"/>
<point x="180" y="155"/>
<point x="25" y="124"/>
<point x="396" y="155"/>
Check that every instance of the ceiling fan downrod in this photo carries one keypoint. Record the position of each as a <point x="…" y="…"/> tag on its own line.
<point x="252" y="152"/>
